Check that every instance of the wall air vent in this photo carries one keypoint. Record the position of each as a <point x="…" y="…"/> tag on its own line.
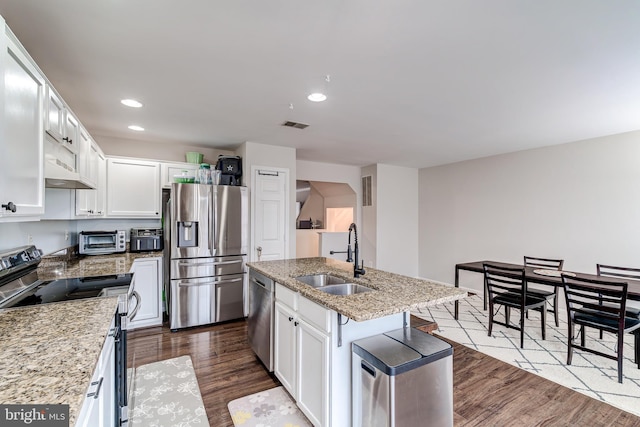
<point x="295" y="125"/>
<point x="366" y="191"/>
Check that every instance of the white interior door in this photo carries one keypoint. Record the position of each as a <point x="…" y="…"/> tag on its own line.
<point x="270" y="213"/>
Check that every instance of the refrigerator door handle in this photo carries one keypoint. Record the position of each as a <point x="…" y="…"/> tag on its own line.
<point x="192" y="264"/>
<point x="213" y="221"/>
<point x="188" y="284"/>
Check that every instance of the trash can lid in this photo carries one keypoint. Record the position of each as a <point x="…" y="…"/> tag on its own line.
<point x="386" y="354"/>
<point x="430" y="347"/>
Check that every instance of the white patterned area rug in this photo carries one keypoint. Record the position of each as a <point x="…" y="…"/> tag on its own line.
<point x="273" y="407"/>
<point x="589" y="374"/>
<point x="166" y="394"/>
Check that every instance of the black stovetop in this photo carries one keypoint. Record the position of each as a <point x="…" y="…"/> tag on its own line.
<point x="73" y="289"/>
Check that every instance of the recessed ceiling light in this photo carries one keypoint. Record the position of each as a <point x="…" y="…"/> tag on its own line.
<point x="131" y="103"/>
<point x="317" y="97"/>
<point x="136" y="128"/>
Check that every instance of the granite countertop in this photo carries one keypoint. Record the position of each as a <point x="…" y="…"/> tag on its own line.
<point x="52" y="268"/>
<point x="393" y="293"/>
<point x="48" y="352"/>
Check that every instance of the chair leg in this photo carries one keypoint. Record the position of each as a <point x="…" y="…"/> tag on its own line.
<point x="570" y="343"/>
<point x="637" y="346"/>
<point x="555" y="309"/>
<point x="490" y="317"/>
<point x="582" y="336"/>
<point x="522" y="314"/>
<point x="507" y="314"/>
<point x="543" y="311"/>
<point x="620" y="355"/>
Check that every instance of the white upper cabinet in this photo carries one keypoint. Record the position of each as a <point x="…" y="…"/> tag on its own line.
<point x="21" y="134"/>
<point x="60" y="123"/>
<point x="133" y="188"/>
<point x="169" y="169"/>
<point x="71" y="128"/>
<point x="92" y="167"/>
<point x="54" y="115"/>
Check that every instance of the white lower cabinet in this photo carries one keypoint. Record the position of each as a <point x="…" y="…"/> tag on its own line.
<point x="98" y="408"/>
<point x="312" y="355"/>
<point x="145" y="293"/>
<point x="302" y="352"/>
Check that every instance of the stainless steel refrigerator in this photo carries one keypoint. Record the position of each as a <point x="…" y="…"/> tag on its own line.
<point x="206" y="237"/>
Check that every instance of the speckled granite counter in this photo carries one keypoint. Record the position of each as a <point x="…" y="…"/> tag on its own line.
<point x="49" y="352"/>
<point x="90" y="265"/>
<point x="393" y="293"/>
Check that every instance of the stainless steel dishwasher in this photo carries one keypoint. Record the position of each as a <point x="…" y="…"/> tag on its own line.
<point x="260" y="328"/>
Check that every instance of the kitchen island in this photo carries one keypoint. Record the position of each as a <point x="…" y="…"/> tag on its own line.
<point x="48" y="353"/>
<point x="313" y="330"/>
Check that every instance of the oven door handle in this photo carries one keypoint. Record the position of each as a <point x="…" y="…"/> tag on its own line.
<point x="135" y="295"/>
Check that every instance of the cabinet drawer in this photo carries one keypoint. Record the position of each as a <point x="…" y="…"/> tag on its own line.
<point x="315" y="314"/>
<point x="286" y="296"/>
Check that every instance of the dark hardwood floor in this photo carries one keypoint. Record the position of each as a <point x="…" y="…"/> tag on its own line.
<point x="487" y="391"/>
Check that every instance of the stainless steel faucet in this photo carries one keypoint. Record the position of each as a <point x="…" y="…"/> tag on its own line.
<point x="357" y="271"/>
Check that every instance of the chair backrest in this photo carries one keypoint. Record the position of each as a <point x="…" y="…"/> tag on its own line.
<point x="601" y="302"/>
<point x="501" y="280"/>
<point x="622" y="272"/>
<point x="545" y="263"/>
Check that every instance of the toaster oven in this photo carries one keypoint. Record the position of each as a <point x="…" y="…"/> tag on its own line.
<point x="146" y="240"/>
<point x="101" y="242"/>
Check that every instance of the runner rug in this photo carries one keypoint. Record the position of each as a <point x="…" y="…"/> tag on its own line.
<point x="589" y="374"/>
<point x="166" y="393"/>
<point x="273" y="407"/>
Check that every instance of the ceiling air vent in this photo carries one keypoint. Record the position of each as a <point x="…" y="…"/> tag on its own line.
<point x="295" y="125"/>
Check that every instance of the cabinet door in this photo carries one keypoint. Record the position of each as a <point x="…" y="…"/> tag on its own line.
<point x="71" y="130"/>
<point x="133" y="188"/>
<point x="171" y="169"/>
<point x="101" y="189"/>
<point x="54" y="115"/>
<point x="21" y="141"/>
<point x="90" y="202"/>
<point x="284" y="366"/>
<point x="313" y="372"/>
<point x="99" y="406"/>
<point x="146" y="288"/>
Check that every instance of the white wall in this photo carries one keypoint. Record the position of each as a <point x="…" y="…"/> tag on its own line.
<point x="578" y="201"/>
<point x="369" y="226"/>
<point x="397" y="219"/>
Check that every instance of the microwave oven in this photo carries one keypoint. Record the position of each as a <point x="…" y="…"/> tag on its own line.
<point x="102" y="242"/>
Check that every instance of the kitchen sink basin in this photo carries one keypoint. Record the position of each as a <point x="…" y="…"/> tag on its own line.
<point x="321" y="280"/>
<point x="345" y="289"/>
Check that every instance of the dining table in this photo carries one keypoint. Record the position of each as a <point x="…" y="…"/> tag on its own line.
<point x="541" y="276"/>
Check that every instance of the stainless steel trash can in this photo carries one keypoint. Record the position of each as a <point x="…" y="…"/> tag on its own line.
<point x="402" y="378"/>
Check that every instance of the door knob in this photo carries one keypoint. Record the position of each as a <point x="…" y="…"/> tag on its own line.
<point x="259" y="249"/>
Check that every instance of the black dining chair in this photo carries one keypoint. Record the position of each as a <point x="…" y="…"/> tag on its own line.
<point x="550" y="295"/>
<point x="506" y="286"/>
<point x="599" y="304"/>
<point x="622" y="273"/>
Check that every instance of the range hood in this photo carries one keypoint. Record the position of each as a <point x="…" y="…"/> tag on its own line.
<point x="57" y="174"/>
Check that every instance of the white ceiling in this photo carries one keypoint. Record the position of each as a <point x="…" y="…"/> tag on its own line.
<point x="412" y="82"/>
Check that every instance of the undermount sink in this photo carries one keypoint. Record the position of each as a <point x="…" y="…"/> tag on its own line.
<point x="321" y="280"/>
<point x="345" y="289"/>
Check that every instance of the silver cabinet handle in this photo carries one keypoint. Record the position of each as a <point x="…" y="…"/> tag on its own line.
<point x="96" y="393"/>
<point x="136" y="295"/>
